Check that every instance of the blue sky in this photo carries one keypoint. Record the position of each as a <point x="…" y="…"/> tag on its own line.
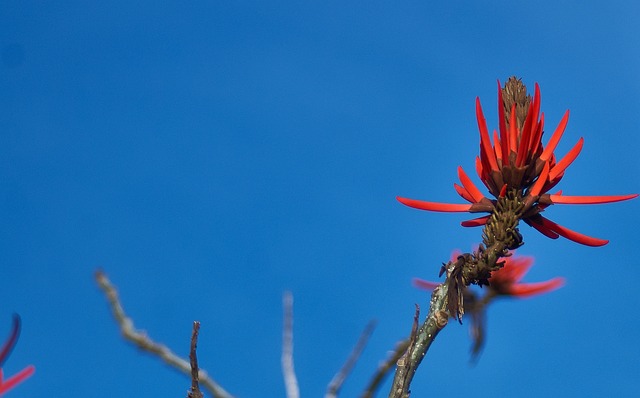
<point x="209" y="156"/>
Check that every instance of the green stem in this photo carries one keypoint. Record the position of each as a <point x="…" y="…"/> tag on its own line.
<point x="420" y="342"/>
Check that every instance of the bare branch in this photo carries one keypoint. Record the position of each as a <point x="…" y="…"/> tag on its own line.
<point x="341" y="376"/>
<point x="384" y="369"/>
<point x="290" y="380"/>
<point x="420" y="341"/>
<point x="142" y="341"/>
<point x="193" y="358"/>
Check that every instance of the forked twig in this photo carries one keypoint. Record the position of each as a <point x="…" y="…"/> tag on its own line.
<point x="142" y="341"/>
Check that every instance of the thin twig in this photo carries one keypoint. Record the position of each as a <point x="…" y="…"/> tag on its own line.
<point x="142" y="341"/>
<point x="290" y="380"/>
<point x="384" y="369"/>
<point x="193" y="359"/>
<point x="341" y="376"/>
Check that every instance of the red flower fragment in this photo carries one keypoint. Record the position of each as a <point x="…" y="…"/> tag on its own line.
<point x="517" y="161"/>
<point x="506" y="280"/>
<point x="11" y="382"/>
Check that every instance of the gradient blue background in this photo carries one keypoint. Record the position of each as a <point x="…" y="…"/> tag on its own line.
<point x="211" y="155"/>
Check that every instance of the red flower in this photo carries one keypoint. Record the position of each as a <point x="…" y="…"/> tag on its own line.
<point x="24" y="374"/>
<point x="506" y="280"/>
<point x="6" y="385"/>
<point x="517" y="161"/>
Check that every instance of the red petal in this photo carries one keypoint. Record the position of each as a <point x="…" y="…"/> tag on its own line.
<point x="555" y="138"/>
<point x="589" y="200"/>
<point x="513" y="271"/>
<point x="537" y="224"/>
<point x="535" y="122"/>
<point x="513" y="131"/>
<point x="422" y="284"/>
<point x="469" y="186"/>
<point x="16" y="379"/>
<point x="566" y="160"/>
<point x="482" y="173"/>
<point x="542" y="179"/>
<point x="572" y="235"/>
<point x="519" y="265"/>
<point x="528" y="127"/>
<point x="434" y="206"/>
<point x="476" y="222"/>
<point x="504" y="134"/>
<point x="463" y="192"/>
<point x="532" y="289"/>
<point x="535" y="143"/>
<point x="485" y="141"/>
<point x="480" y="170"/>
<point x="496" y="144"/>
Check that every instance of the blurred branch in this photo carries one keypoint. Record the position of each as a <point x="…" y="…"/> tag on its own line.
<point x="142" y="341"/>
<point x="384" y="369"/>
<point x="193" y="359"/>
<point x="420" y="341"/>
<point x="402" y="380"/>
<point x="341" y="376"/>
<point x="290" y="380"/>
<point x="7" y="347"/>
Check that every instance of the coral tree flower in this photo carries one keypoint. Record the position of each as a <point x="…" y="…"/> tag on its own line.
<point x="506" y="280"/>
<point x="516" y="161"/>
<point x="8" y="384"/>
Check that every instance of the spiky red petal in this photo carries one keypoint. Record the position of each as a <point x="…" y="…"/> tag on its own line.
<point x="469" y="185"/>
<point x="532" y="222"/>
<point x="513" y="271"/>
<point x="423" y="284"/>
<point x="589" y="200"/>
<point x="528" y="128"/>
<point x="15" y="379"/>
<point x="555" y="138"/>
<point x="434" y="206"/>
<point x="542" y="179"/>
<point x="532" y="289"/>
<point x="504" y="134"/>
<point x="560" y="167"/>
<point x="485" y="142"/>
<point x="476" y="222"/>
<point x="463" y="192"/>
<point x="569" y="234"/>
<point x="513" y="131"/>
<point x="497" y="148"/>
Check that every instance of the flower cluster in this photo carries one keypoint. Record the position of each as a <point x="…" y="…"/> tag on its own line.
<point x="8" y="384"/>
<point x="519" y="173"/>
<point x="516" y="162"/>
